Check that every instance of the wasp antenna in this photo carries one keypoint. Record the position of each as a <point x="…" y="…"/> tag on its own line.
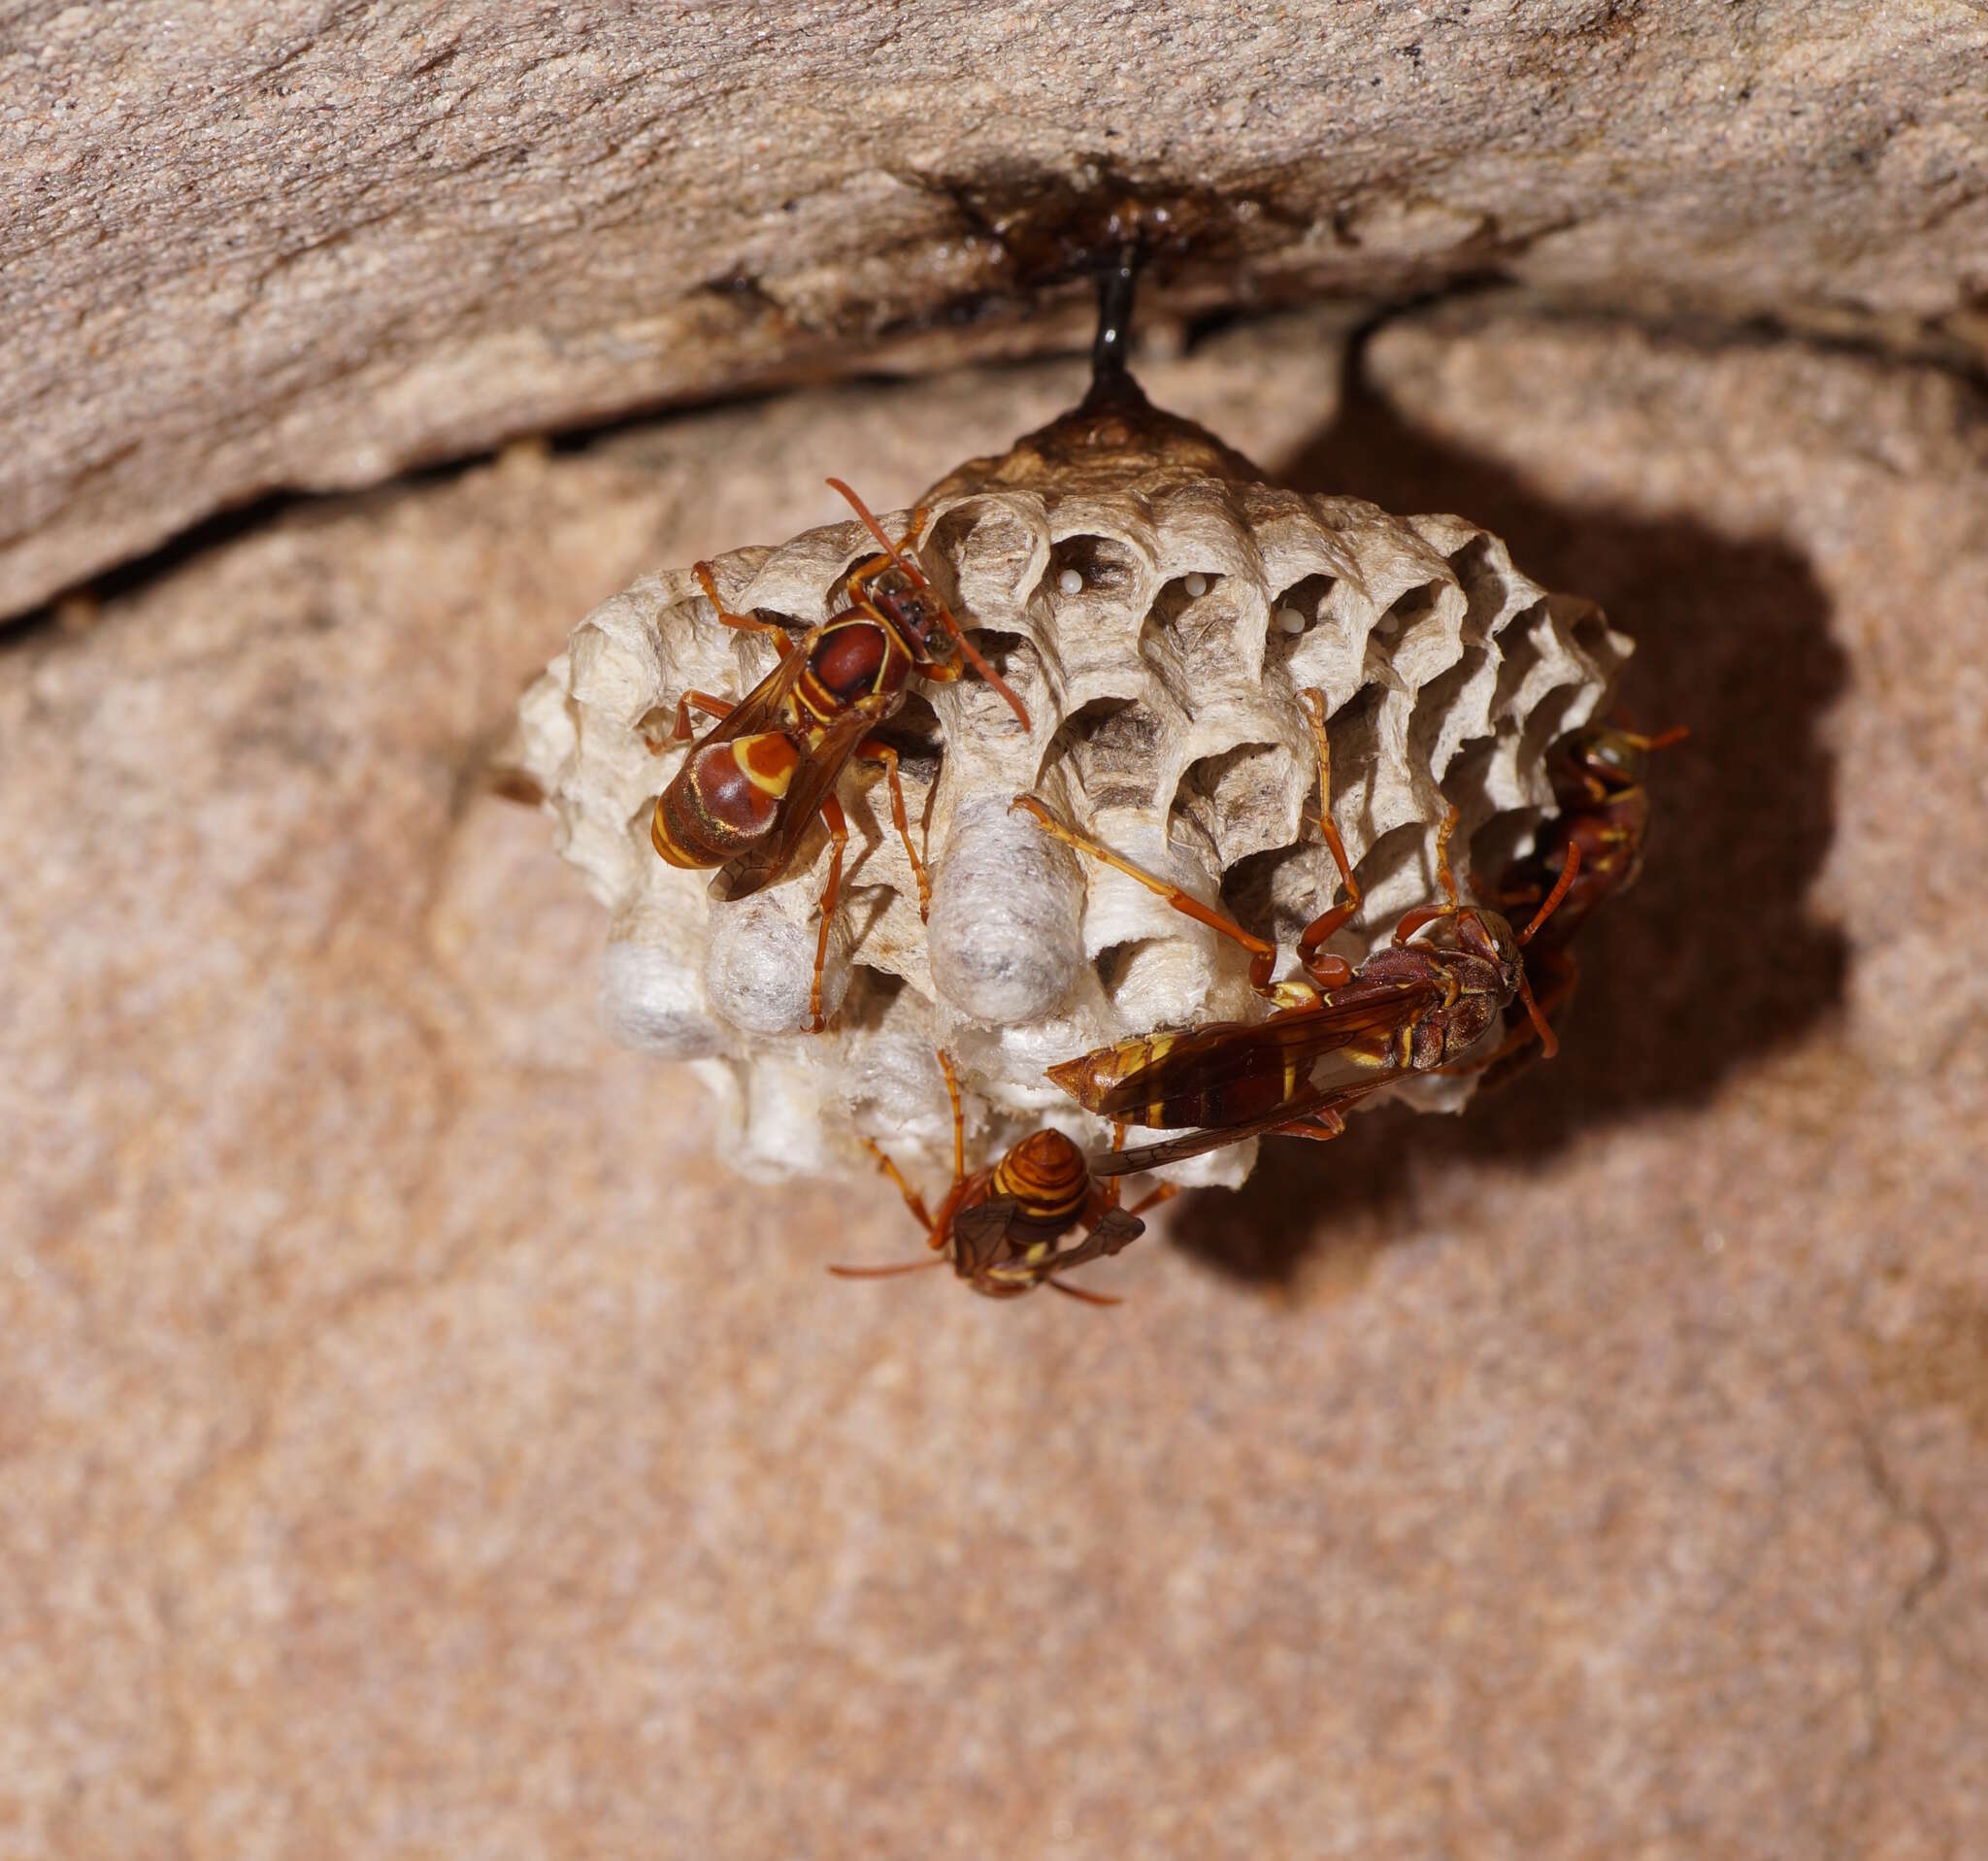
<point x="1553" y="898"/>
<point x="945" y="619"/>
<point x="876" y="529"/>
<point x="886" y="1272"/>
<point x="1549" y="1042"/>
<point x="1663" y="740"/>
<point x="981" y="665"/>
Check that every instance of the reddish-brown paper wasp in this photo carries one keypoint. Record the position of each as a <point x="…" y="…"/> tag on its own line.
<point x="1000" y="1228"/>
<point x="1339" y="1033"/>
<point x="1601" y="828"/>
<point x="752" y="786"/>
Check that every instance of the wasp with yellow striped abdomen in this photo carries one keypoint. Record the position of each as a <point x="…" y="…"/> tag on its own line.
<point x="752" y="786"/>
<point x="1002" y="1228"/>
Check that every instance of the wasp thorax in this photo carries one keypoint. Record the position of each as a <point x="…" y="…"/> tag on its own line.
<point x="1159" y="606"/>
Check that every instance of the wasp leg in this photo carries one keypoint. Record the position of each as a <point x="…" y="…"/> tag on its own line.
<point x="935" y="1230"/>
<point x="1164" y="1193"/>
<point x="839" y="833"/>
<point x="744" y="622"/>
<point x="1262" y="956"/>
<point x="1412" y="921"/>
<point x="913" y="1201"/>
<point x="874" y="752"/>
<point x="1504" y="898"/>
<point x="959" y="1117"/>
<point x="1079" y="1293"/>
<point x="1320" y="1126"/>
<point x="1114" y="1184"/>
<point x="1329" y="972"/>
<point x="942" y="1229"/>
<point x="718" y="708"/>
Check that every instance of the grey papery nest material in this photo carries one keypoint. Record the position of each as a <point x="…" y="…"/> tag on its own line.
<point x="1158" y="606"/>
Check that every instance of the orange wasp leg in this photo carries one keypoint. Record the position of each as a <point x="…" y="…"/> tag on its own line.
<point x="935" y="1230"/>
<point x="1412" y="921"/>
<point x="875" y="752"/>
<point x="744" y="622"/>
<point x="718" y="708"/>
<point x="838" y="826"/>
<point x="913" y="1201"/>
<point x="1079" y="1293"/>
<point x="951" y="1205"/>
<point x="1114" y="1185"/>
<point x="1329" y="972"/>
<point x="1112" y="1181"/>
<point x="1640" y="740"/>
<point x="1262" y="956"/>
<point x="1549" y="1042"/>
<point x="1320" y="1126"/>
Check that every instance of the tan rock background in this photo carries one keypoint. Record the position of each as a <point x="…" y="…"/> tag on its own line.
<point x="415" y="1444"/>
<point x="413" y="1441"/>
<point x="247" y="246"/>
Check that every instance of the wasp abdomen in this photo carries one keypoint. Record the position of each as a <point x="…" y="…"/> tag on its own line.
<point x="1091" y="1077"/>
<point x="1047" y="1175"/>
<point x="726" y="797"/>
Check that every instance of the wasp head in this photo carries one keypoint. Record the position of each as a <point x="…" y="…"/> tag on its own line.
<point x="921" y="620"/>
<point x="1603" y="762"/>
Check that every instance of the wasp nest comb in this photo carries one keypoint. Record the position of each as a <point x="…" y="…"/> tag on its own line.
<point x="1158" y="607"/>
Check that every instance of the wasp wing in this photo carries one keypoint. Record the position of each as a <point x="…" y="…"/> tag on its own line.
<point x="814" y="782"/>
<point x="1116" y="1230"/>
<point x="1226" y="1056"/>
<point x="1306" y="1104"/>
<point x="981" y="1233"/>
<point x="760" y="707"/>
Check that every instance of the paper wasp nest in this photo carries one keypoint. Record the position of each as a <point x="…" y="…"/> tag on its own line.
<point x="1157" y="605"/>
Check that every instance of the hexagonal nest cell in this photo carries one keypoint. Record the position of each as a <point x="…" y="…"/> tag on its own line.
<point x="1158" y="606"/>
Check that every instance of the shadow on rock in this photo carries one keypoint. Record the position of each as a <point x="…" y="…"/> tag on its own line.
<point x="1712" y="961"/>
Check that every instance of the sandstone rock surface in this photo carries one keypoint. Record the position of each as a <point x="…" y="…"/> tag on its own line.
<point x="247" y="246"/>
<point x="413" y="1442"/>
